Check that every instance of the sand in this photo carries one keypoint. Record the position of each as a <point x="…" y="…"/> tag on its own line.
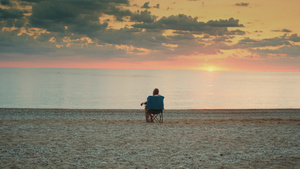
<point x="52" y="138"/>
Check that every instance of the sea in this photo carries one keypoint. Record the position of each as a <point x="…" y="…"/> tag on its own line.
<point x="126" y="89"/>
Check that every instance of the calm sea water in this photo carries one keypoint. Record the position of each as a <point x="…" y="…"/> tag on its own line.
<point x="126" y="89"/>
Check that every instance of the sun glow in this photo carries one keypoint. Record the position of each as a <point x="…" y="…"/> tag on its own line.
<point x="210" y="69"/>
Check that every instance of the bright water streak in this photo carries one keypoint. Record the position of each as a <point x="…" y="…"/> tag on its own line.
<point x="126" y="89"/>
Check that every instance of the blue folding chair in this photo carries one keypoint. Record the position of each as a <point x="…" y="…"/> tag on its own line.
<point x="154" y="109"/>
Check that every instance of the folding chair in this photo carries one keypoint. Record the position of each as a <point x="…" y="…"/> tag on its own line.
<point x="154" y="109"/>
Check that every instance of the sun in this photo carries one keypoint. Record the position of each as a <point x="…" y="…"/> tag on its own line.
<point x="210" y="69"/>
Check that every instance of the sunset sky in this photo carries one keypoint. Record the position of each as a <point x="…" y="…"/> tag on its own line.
<point x="224" y="35"/>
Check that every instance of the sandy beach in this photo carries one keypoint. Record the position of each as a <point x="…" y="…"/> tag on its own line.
<point x="65" y="138"/>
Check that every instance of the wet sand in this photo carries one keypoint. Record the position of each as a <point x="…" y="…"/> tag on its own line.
<point x="56" y="138"/>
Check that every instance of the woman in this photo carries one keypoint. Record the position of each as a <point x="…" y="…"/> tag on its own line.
<point x="155" y="93"/>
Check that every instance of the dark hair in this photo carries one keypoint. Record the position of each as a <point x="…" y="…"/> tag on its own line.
<point x="155" y="91"/>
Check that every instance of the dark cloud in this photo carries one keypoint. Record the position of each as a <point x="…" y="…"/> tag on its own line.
<point x="236" y="32"/>
<point x="188" y="44"/>
<point x="188" y="23"/>
<point x="135" y="37"/>
<point x="222" y="39"/>
<point x="250" y="43"/>
<point x="146" y="5"/>
<point x="294" y="38"/>
<point x="286" y="30"/>
<point x="242" y="4"/>
<point x="288" y="51"/>
<point x="76" y="27"/>
<point x="5" y="2"/>
<point x="35" y="1"/>
<point x="27" y="48"/>
<point x="280" y="46"/>
<point x="156" y="6"/>
<point x="282" y="30"/>
<point x="143" y="16"/>
<point x="118" y="13"/>
<point x="225" y="23"/>
<point x="78" y="16"/>
<point x="10" y="14"/>
<point x="11" y="17"/>
<point x="25" y="44"/>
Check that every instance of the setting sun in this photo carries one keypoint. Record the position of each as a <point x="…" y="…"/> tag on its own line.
<point x="210" y="69"/>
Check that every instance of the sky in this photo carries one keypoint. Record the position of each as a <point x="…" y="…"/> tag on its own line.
<point x="215" y="35"/>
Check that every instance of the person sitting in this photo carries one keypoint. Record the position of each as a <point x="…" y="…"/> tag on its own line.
<point x="156" y="106"/>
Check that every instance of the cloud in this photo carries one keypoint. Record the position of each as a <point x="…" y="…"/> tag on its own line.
<point x="236" y="32"/>
<point x="251" y="43"/>
<point x="187" y="44"/>
<point x="66" y="29"/>
<point x="183" y="22"/>
<point x="156" y="6"/>
<point x="146" y="5"/>
<point x="24" y="44"/>
<point x="10" y="14"/>
<point x="57" y="29"/>
<point x="242" y="4"/>
<point x="118" y="13"/>
<point x="35" y="1"/>
<point x="294" y="38"/>
<point x="143" y="16"/>
<point x="285" y="51"/>
<point x="27" y="48"/>
<point x="4" y="2"/>
<point x="133" y="36"/>
<point x="225" y="23"/>
<point x="272" y="47"/>
<point x="11" y="17"/>
<point x="282" y="30"/>
<point x="78" y="16"/>
<point x="222" y="39"/>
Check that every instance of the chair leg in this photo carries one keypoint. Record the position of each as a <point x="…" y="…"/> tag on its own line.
<point x="146" y="115"/>
<point x="153" y="117"/>
<point x="158" y="118"/>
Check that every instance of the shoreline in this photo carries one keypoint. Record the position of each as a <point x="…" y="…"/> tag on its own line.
<point x="5" y="108"/>
<point x="252" y="110"/>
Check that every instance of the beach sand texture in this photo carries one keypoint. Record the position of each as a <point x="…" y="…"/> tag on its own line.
<point x="53" y="138"/>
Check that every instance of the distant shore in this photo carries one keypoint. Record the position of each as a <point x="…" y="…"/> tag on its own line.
<point x="99" y="138"/>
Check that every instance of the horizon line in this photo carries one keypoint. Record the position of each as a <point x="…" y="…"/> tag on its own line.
<point x="297" y="71"/>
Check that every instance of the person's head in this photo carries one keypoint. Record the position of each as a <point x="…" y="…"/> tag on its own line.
<point x="155" y="91"/>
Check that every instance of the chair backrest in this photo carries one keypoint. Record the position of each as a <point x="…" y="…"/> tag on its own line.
<point x="155" y="102"/>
